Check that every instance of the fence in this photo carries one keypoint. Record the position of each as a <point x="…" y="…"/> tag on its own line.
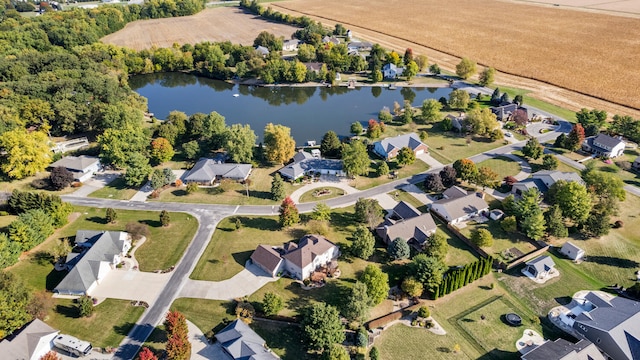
<point x="527" y="257"/>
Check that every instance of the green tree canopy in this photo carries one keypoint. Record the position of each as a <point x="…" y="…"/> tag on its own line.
<point x="279" y="145"/>
<point x="482" y="237"/>
<point x="14" y="298"/>
<point x="465" y="68"/>
<point x="241" y="141"/>
<point x="532" y="148"/>
<point x="330" y="145"/>
<point x="116" y="145"/>
<point x="406" y="156"/>
<point x="322" y="326"/>
<point x="428" y="270"/>
<point x="487" y="76"/>
<point x="277" y="188"/>
<point x="355" y="158"/>
<point x="412" y="287"/>
<point x="363" y="243"/>
<point x="377" y="283"/>
<point x="431" y="111"/>
<point x="572" y="198"/>
<point x="356" y="306"/>
<point x="26" y="153"/>
<point x="399" y="249"/>
<point x="459" y="99"/>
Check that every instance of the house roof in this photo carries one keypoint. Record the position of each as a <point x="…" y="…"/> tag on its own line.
<point x="242" y="343"/>
<point x="76" y="163"/>
<point x="411" y="140"/>
<point x="359" y="45"/>
<point x="267" y="257"/>
<point x="23" y="343"/>
<point x="392" y="67"/>
<point x="570" y="246"/>
<point x="619" y="318"/>
<point x="606" y="140"/>
<point x="532" y="183"/>
<point x="87" y="236"/>
<point x="206" y="170"/>
<point x="305" y="162"/>
<point x="542" y="263"/>
<point x="331" y="39"/>
<point x="85" y="272"/>
<point x="562" y="349"/>
<point x="313" y="66"/>
<point x="556" y="176"/>
<point x="309" y="247"/>
<point x="455" y="192"/>
<point x="458" y="207"/>
<point x="404" y="210"/>
<point x="416" y="228"/>
<point x="291" y="42"/>
<point x="263" y="50"/>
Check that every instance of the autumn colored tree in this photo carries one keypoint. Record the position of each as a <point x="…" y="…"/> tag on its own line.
<point x="510" y="180"/>
<point x="146" y="354"/>
<point x="486" y="177"/>
<point x="487" y="76"/>
<point x="374" y="130"/>
<point x="52" y="355"/>
<point x="448" y="176"/>
<point x="520" y="117"/>
<point x="575" y="138"/>
<point x="288" y="213"/>
<point x="408" y="56"/>
<point x="26" y="153"/>
<point x="178" y="345"/>
<point x="466" y="169"/>
<point x="279" y="145"/>
<point x="161" y="150"/>
<point x="60" y="177"/>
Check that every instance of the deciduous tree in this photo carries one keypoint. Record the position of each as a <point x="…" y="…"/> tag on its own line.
<point x="410" y="70"/>
<point x="60" y="177"/>
<point x="575" y="138"/>
<point x="406" y="156"/>
<point x="146" y="354"/>
<point x="459" y="99"/>
<point x="482" y="237"/>
<point x="555" y="222"/>
<point x="355" y="159"/>
<point x="52" y="355"/>
<point x="383" y="169"/>
<point x="279" y="145"/>
<point x="572" y="198"/>
<point x="322" y="326"/>
<point x="369" y="212"/>
<point x="240" y="143"/>
<point x="466" y="169"/>
<point x="534" y="225"/>
<point x="118" y="144"/>
<point x="448" y="176"/>
<point x="26" y="153"/>
<point x="487" y="76"/>
<point x="377" y="283"/>
<point x="272" y="304"/>
<point x="288" y="213"/>
<point x="465" y="68"/>
<point x="532" y="148"/>
<point x="137" y="169"/>
<point x="14" y="298"/>
<point x="161" y="150"/>
<point x="356" y="128"/>
<point x="178" y="345"/>
<point x="191" y="150"/>
<point x="431" y="111"/>
<point x="481" y="121"/>
<point x="356" y="307"/>
<point x="549" y="162"/>
<point x="321" y="212"/>
<point x="363" y="243"/>
<point x="336" y="352"/>
<point x="437" y="246"/>
<point x="433" y="183"/>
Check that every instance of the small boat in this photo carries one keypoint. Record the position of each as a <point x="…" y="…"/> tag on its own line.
<point x="392" y="86"/>
<point x="236" y="95"/>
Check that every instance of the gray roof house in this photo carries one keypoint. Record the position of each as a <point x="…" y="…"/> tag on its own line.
<point x="290" y="45"/>
<point x="390" y="147"/>
<point x="543" y="180"/>
<point x="29" y="343"/>
<point x="604" y="145"/>
<point x="391" y="71"/>
<point x="262" y="50"/>
<point x="404" y="211"/>
<point x="94" y="263"/>
<point x="359" y="46"/>
<point x="454" y="192"/>
<point x="207" y="171"/>
<point x="540" y="266"/>
<point x="636" y="163"/>
<point x="571" y="251"/>
<point x="612" y="324"/>
<point x="459" y="209"/>
<point x="562" y="349"/>
<point x="416" y="230"/>
<point x="83" y="167"/>
<point x="241" y="343"/>
<point x="305" y="163"/>
<point x="457" y="122"/>
<point x="506" y="110"/>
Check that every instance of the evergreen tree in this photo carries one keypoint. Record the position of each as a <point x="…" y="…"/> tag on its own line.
<point x="165" y="218"/>
<point x="111" y="216"/>
<point x="555" y="222"/>
<point x="330" y="145"/>
<point x="399" y="249"/>
<point x="277" y="188"/>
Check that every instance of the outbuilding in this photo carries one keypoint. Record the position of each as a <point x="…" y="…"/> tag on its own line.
<point x="572" y="251"/>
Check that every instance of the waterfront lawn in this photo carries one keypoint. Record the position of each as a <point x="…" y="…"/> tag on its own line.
<point x="116" y="190"/>
<point x="236" y="194"/>
<point x="110" y="323"/>
<point x="503" y="166"/>
<point x="502" y="240"/>
<point x="310" y="196"/>
<point x="371" y="179"/>
<point x="449" y="146"/>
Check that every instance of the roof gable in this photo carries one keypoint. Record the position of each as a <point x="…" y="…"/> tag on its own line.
<point x="459" y="207"/>
<point x="23" y="343"/>
<point x="411" y="140"/>
<point x="77" y="163"/>
<point x="267" y="257"/>
<point x="242" y="343"/>
<point x="309" y="247"/>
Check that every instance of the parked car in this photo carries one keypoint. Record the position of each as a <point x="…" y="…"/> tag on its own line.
<point x="508" y="134"/>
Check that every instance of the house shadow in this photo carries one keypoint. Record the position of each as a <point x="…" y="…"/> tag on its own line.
<point x="54" y="278"/>
<point x="97" y="220"/>
<point x="123" y="329"/>
<point x="42" y="258"/>
<point x="499" y="354"/>
<point x="296" y="233"/>
<point x="613" y="261"/>
<point x="242" y="257"/>
<point x="563" y="300"/>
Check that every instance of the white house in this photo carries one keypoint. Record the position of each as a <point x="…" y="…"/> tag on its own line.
<point x="29" y="343"/>
<point x="460" y="209"/>
<point x="83" y="167"/>
<point x="390" y="147"/>
<point x="572" y="251"/>
<point x="604" y="145"/>
<point x="262" y="50"/>
<point x="391" y="71"/>
<point x="305" y="163"/>
<point x="299" y="260"/>
<point x="103" y="251"/>
<point x="290" y="45"/>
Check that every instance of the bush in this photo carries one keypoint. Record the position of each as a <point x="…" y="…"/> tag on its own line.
<point x="618" y="224"/>
<point x="245" y="310"/>
<point x="192" y="188"/>
<point x="374" y="354"/>
<point x="482" y="237"/>
<point x="424" y="312"/>
<point x="85" y="306"/>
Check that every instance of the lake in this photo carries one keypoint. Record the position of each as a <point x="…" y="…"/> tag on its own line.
<point x="309" y="111"/>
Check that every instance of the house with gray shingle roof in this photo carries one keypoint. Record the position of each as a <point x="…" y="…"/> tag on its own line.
<point x="612" y="323"/>
<point x="29" y="343"/>
<point x="82" y="167"/>
<point x="454" y="192"/>
<point x="207" y="171"/>
<point x="305" y="163"/>
<point x="93" y="264"/>
<point x="390" y="147"/>
<point x="262" y="51"/>
<point x="543" y="180"/>
<point x="403" y="210"/>
<point x="408" y="223"/>
<point x="458" y="209"/>
<point x="391" y="71"/>
<point x="604" y="145"/>
<point x="562" y="349"/>
<point x="540" y="267"/>
<point x="505" y="111"/>
<point x="242" y="343"/>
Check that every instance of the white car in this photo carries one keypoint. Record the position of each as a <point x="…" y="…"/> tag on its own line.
<point x="507" y="134"/>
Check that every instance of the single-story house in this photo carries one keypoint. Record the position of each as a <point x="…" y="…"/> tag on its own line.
<point x="403" y="211"/>
<point x="106" y="249"/>
<point x="359" y="46"/>
<point x="463" y="208"/>
<point x="391" y="71"/>
<point x="636" y="163"/>
<point x="242" y="343"/>
<point x="457" y="122"/>
<point x="540" y="267"/>
<point x="305" y="163"/>
<point x="299" y="260"/>
<point x="313" y="66"/>
<point x="454" y="192"/>
<point x="562" y="349"/>
<point x="83" y="167"/>
<point x="390" y="147"/>
<point x="290" y="45"/>
<point x="505" y="111"/>
<point x="416" y="230"/>
<point x="31" y="342"/>
<point x="207" y="171"/>
<point x="604" y="145"/>
<point x="262" y="50"/>
<point x="571" y="251"/>
<point x="331" y="39"/>
<point x="543" y="180"/>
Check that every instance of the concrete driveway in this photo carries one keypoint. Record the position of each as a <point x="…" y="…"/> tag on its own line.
<point x="244" y="283"/>
<point x="420" y="195"/>
<point x="429" y="160"/>
<point x="97" y="182"/>
<point x="387" y="202"/>
<point x="131" y="285"/>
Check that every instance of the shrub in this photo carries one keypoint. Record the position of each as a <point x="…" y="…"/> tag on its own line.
<point x="618" y="224"/>
<point x="374" y="354"/>
<point x="318" y="227"/>
<point x="245" y="310"/>
<point x="192" y="188"/>
<point x="482" y="237"/>
<point x="272" y="304"/>
<point x="85" y="306"/>
<point x="424" y="312"/>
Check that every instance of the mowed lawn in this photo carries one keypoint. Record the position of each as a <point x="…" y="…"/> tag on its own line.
<point x="110" y="323"/>
<point x="400" y="342"/>
<point x="503" y="166"/>
<point x="371" y="178"/>
<point x="116" y="190"/>
<point x="449" y="146"/>
<point x="502" y="241"/>
<point x="311" y="195"/>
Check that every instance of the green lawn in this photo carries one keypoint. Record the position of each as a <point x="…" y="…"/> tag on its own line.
<point x="259" y="191"/>
<point x="111" y="321"/>
<point x="311" y="196"/>
<point x="503" y="166"/>
<point x="401" y="342"/>
<point x="205" y="314"/>
<point x="542" y="105"/>
<point x="501" y="240"/>
<point x="629" y="177"/>
<point x="371" y="179"/>
<point x="401" y="195"/>
<point x="117" y="190"/>
<point x="448" y="146"/>
<point x="283" y="339"/>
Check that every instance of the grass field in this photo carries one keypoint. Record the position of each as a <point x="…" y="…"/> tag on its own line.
<point x="116" y="190"/>
<point x="448" y="146"/>
<point x="558" y="55"/>
<point x="219" y="24"/>
<point x="403" y="342"/>
<point x="501" y="240"/>
<point x="110" y="323"/>
<point x="371" y="179"/>
<point x="503" y="166"/>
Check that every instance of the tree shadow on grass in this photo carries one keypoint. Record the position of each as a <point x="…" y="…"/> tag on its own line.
<point x="242" y="257"/>
<point x="296" y="233"/>
<point x="613" y="261"/>
<point x="333" y="293"/>
<point x="97" y="220"/>
<point x="152" y="223"/>
<point x="123" y="329"/>
<point x="260" y="223"/>
<point x="68" y="311"/>
<point x="342" y="220"/>
<point x="179" y="192"/>
<point x="42" y="258"/>
<point x="265" y="195"/>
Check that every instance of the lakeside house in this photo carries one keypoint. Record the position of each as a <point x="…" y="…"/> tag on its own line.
<point x="562" y="349"/>
<point x="262" y="51"/>
<point x="31" y="342"/>
<point x="389" y="148"/>
<point x="290" y="45"/>
<point x="460" y="208"/>
<point x="240" y="342"/>
<point x="82" y="167"/>
<point x="304" y="163"/>
<point x="359" y="46"/>
<point x="391" y="71"/>
<point x="298" y="260"/>
<point x="408" y="223"/>
<point x="207" y="171"/>
<point x="543" y="180"/>
<point x="458" y="122"/>
<point x="101" y="252"/>
<point x="603" y="145"/>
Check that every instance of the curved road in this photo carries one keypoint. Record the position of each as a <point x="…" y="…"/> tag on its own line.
<point x="208" y="216"/>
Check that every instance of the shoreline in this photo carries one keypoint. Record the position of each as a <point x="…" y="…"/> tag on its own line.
<point x="398" y="84"/>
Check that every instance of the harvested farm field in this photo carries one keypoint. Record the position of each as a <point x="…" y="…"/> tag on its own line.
<point x="216" y="24"/>
<point x="587" y="57"/>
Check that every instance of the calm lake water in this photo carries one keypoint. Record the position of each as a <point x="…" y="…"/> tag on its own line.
<point x="309" y="111"/>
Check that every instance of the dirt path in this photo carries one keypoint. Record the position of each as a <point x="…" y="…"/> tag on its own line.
<point x="549" y="93"/>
